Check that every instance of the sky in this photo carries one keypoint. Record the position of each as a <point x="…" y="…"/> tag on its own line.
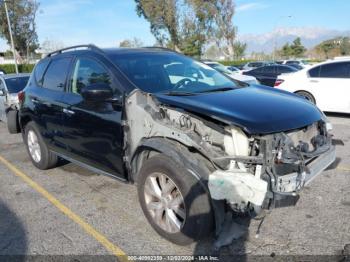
<point x="107" y="22"/>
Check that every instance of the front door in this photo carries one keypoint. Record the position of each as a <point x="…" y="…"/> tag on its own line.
<point x="92" y="131"/>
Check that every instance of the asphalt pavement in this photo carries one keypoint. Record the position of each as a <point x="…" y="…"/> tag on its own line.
<point x="71" y="211"/>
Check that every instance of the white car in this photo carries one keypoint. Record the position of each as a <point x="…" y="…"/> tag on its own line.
<point x="302" y="63"/>
<point x="10" y="85"/>
<point x="326" y="84"/>
<point x="235" y="75"/>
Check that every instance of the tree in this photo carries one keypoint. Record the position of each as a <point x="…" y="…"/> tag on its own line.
<point x="135" y="42"/>
<point x="297" y="49"/>
<point x="181" y="25"/>
<point x="22" y="15"/>
<point x="225" y="31"/>
<point x="50" y="45"/>
<point x="163" y="18"/>
<point x="239" y="49"/>
<point x="344" y="46"/>
<point x="285" y="51"/>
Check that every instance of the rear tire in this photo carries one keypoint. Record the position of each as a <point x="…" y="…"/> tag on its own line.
<point x="12" y="122"/>
<point x="194" y="213"/>
<point x="307" y="96"/>
<point x="38" y="151"/>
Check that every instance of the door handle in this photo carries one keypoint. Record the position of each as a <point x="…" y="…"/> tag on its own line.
<point x="313" y="81"/>
<point x="68" y="112"/>
<point x="34" y="99"/>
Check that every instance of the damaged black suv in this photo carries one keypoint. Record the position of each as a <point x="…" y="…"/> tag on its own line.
<point x="197" y="144"/>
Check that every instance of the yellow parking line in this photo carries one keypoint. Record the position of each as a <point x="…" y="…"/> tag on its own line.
<point x="343" y="168"/>
<point x="69" y="213"/>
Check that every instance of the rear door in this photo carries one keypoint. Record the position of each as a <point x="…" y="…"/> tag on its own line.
<point x="266" y="75"/>
<point x="330" y="85"/>
<point x="93" y="131"/>
<point x="47" y="101"/>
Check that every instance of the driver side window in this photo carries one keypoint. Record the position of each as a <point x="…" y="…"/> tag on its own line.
<point x="86" y="72"/>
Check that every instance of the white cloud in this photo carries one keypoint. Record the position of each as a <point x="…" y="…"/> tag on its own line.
<point x="250" y="6"/>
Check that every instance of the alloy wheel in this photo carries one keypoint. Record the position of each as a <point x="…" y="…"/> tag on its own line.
<point x="164" y="202"/>
<point x="33" y="146"/>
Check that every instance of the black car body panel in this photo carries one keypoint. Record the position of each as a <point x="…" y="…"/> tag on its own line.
<point x="267" y="75"/>
<point x="258" y="110"/>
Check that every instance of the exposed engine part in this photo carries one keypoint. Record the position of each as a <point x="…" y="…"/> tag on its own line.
<point x="248" y="170"/>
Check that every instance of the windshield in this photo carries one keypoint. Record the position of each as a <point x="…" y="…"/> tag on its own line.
<point x="16" y="84"/>
<point x="170" y="72"/>
<point x="221" y="68"/>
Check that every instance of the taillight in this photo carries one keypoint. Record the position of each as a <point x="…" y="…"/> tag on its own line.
<point x="278" y="82"/>
<point x="20" y="96"/>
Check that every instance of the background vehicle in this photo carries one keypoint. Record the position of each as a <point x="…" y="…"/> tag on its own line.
<point x="185" y="133"/>
<point x="10" y="85"/>
<point x="233" y="69"/>
<point x="326" y="84"/>
<point x="296" y="66"/>
<point x="235" y="75"/>
<point x="300" y="62"/>
<point x="267" y="75"/>
<point x="2" y="72"/>
<point x="252" y="65"/>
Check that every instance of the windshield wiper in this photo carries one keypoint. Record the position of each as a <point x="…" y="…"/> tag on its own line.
<point x="222" y="89"/>
<point x="179" y="93"/>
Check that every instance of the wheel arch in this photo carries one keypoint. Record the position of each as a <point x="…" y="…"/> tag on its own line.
<point x="305" y="91"/>
<point x="23" y="121"/>
<point x="199" y="166"/>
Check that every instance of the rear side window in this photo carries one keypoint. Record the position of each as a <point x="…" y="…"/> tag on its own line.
<point x="86" y="72"/>
<point x="40" y="70"/>
<point x="335" y="70"/>
<point x="285" y="69"/>
<point x="56" y="73"/>
<point x="315" y="72"/>
<point x="269" y="69"/>
<point x="16" y="84"/>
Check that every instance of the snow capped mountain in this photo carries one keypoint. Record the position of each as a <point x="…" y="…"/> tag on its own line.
<point x="310" y="36"/>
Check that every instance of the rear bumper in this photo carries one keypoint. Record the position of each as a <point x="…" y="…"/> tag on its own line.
<point x="294" y="182"/>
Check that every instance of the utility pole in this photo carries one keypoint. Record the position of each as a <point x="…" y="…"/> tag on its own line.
<point x="11" y="38"/>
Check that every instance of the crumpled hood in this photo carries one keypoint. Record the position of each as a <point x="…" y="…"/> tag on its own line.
<point x="256" y="109"/>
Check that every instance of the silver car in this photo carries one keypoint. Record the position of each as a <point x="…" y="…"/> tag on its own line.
<point x="10" y="85"/>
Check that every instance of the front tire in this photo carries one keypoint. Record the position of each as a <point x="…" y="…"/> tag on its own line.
<point x="173" y="201"/>
<point x="38" y="152"/>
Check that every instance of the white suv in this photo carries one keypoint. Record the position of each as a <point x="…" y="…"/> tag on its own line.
<point x="326" y="84"/>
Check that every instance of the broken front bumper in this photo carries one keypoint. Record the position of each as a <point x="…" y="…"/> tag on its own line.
<point x="296" y="181"/>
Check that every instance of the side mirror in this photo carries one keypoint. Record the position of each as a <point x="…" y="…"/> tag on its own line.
<point x="98" y="92"/>
<point x="2" y="92"/>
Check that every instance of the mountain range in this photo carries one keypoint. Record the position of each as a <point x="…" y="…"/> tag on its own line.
<point x="310" y="37"/>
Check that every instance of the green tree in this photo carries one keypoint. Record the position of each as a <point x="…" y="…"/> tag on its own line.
<point x="183" y="25"/>
<point x="239" y="49"/>
<point x="326" y="47"/>
<point x="285" y="51"/>
<point x="344" y="46"/>
<point x="297" y="49"/>
<point x="163" y="18"/>
<point x="224" y="31"/>
<point x="22" y="15"/>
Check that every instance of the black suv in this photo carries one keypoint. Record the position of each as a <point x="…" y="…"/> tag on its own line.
<point x="197" y="143"/>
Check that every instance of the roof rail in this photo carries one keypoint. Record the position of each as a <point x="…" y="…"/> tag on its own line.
<point x="160" y="47"/>
<point x="75" y="47"/>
